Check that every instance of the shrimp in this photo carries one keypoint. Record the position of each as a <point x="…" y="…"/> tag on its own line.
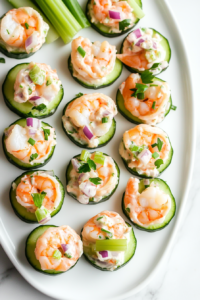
<point x="18" y="25"/>
<point x="151" y="110"/>
<point x="145" y="138"/>
<point x="17" y="143"/>
<point x="26" y="89"/>
<point x="53" y="239"/>
<point x="134" y="60"/>
<point x="81" y="186"/>
<point x="149" y="207"/>
<point x="98" y="62"/>
<point x="101" y="10"/>
<point x="89" y="110"/>
<point x="36" y="183"/>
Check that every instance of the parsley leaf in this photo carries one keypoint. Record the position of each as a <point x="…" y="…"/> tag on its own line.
<point x="38" y="198"/>
<point x="33" y="156"/>
<point x="84" y="168"/>
<point x="46" y="133"/>
<point x="128" y="209"/>
<point x="147" y="76"/>
<point x="173" y="107"/>
<point x="2" y="60"/>
<point x="158" y="163"/>
<point x="91" y="164"/>
<point x="159" y="144"/>
<point x="40" y="107"/>
<point x="26" y="25"/>
<point x="155" y="65"/>
<point x="123" y="24"/>
<point x="95" y="180"/>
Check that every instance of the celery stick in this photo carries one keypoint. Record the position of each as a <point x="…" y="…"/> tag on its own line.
<point x="136" y="9"/>
<point x="52" y="33"/>
<point x="77" y="12"/>
<point x="62" y="32"/>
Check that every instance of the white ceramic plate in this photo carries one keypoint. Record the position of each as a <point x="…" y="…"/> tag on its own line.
<point x="84" y="281"/>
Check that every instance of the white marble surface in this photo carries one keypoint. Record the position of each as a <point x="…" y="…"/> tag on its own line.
<point x="178" y="278"/>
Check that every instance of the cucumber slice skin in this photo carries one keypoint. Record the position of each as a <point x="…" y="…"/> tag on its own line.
<point x="103" y="199"/>
<point x="134" y="70"/>
<point x="161" y="169"/>
<point x="127" y="114"/>
<point x="134" y="243"/>
<point x="98" y="26"/>
<point x="27" y="216"/>
<point x="118" y="66"/>
<point x="15" y="161"/>
<point x="30" y="247"/>
<point x="160" y="226"/>
<point x="31" y="113"/>
<point x="113" y="128"/>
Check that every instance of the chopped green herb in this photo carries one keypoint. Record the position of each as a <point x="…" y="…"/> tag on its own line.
<point x="155" y="155"/>
<point x="155" y="65"/>
<point x="95" y="180"/>
<point x="21" y="86"/>
<point x="128" y="209"/>
<point x="139" y="91"/>
<point x="99" y="218"/>
<point x="79" y="95"/>
<point x="84" y="168"/>
<point x="173" y="107"/>
<point x="134" y="148"/>
<point x="123" y="24"/>
<point x="68" y="255"/>
<point x="105" y="120"/>
<point x="113" y="174"/>
<point x="46" y="133"/>
<point x="40" y="107"/>
<point x="29" y="91"/>
<point x="154" y="105"/>
<point x="153" y="85"/>
<point x="158" y="163"/>
<point x="91" y="164"/>
<point x="99" y="237"/>
<point x="108" y="232"/>
<point x="26" y="25"/>
<point x="57" y="254"/>
<point x="33" y="156"/>
<point x="2" y="60"/>
<point x="81" y="51"/>
<point x="49" y="81"/>
<point x="31" y="141"/>
<point x="7" y="31"/>
<point x="158" y="144"/>
<point x="38" y="198"/>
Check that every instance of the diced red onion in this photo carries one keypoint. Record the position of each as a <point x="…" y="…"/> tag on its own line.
<point x="104" y="253"/>
<point x="139" y="42"/>
<point x="31" y="41"/>
<point x="146" y="182"/>
<point x="154" y="45"/>
<point x="75" y="164"/>
<point x="87" y="133"/>
<point x="115" y="253"/>
<point x="45" y="220"/>
<point x="32" y="131"/>
<point x="28" y="79"/>
<point x="83" y="177"/>
<point x="20" y="95"/>
<point x="65" y="247"/>
<point x="33" y="122"/>
<point x="137" y="33"/>
<point x="106" y="113"/>
<point x="34" y="98"/>
<point x="145" y="156"/>
<point x="83" y="199"/>
<point x="88" y="189"/>
<point x="114" y="15"/>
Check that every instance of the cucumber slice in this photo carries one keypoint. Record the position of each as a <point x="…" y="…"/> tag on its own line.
<point x="26" y="109"/>
<point x="128" y="115"/>
<point x="21" y="211"/>
<point x="110" y="78"/>
<point x="18" y="163"/>
<point x="68" y="178"/>
<point x="30" y="248"/>
<point x="161" y="169"/>
<point x="103" y="140"/>
<point x="164" y="43"/>
<point x="132" y="244"/>
<point x="105" y="30"/>
<point x="52" y="33"/>
<point x="165" y="188"/>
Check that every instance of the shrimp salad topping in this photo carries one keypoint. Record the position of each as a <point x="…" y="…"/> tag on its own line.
<point x="112" y="13"/>
<point x="106" y="225"/>
<point x="145" y="148"/>
<point x="147" y="208"/>
<point x="89" y="117"/>
<point x="92" y="62"/>
<point x="38" y="84"/>
<point x="93" y="177"/>
<point x="39" y="193"/>
<point x="30" y="144"/>
<point x="58" y="248"/>
<point x="23" y="29"/>
<point x="148" y="102"/>
<point x="142" y="50"/>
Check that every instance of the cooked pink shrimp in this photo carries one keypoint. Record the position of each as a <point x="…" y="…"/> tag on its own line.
<point x="98" y="62"/>
<point x="149" y="207"/>
<point x="53" y="240"/>
<point x="23" y="28"/>
<point x="151" y="110"/>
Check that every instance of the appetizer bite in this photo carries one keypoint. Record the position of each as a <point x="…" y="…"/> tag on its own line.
<point x="53" y="250"/>
<point x="37" y="196"/>
<point x="141" y="102"/>
<point x="108" y="241"/>
<point x="29" y="143"/>
<point x="32" y="90"/>
<point x="113" y="17"/>
<point x="148" y="203"/>
<point x="88" y="120"/>
<point x="145" y="49"/>
<point x="146" y="151"/>
<point x="22" y="32"/>
<point x="92" y="177"/>
<point x="94" y="65"/>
